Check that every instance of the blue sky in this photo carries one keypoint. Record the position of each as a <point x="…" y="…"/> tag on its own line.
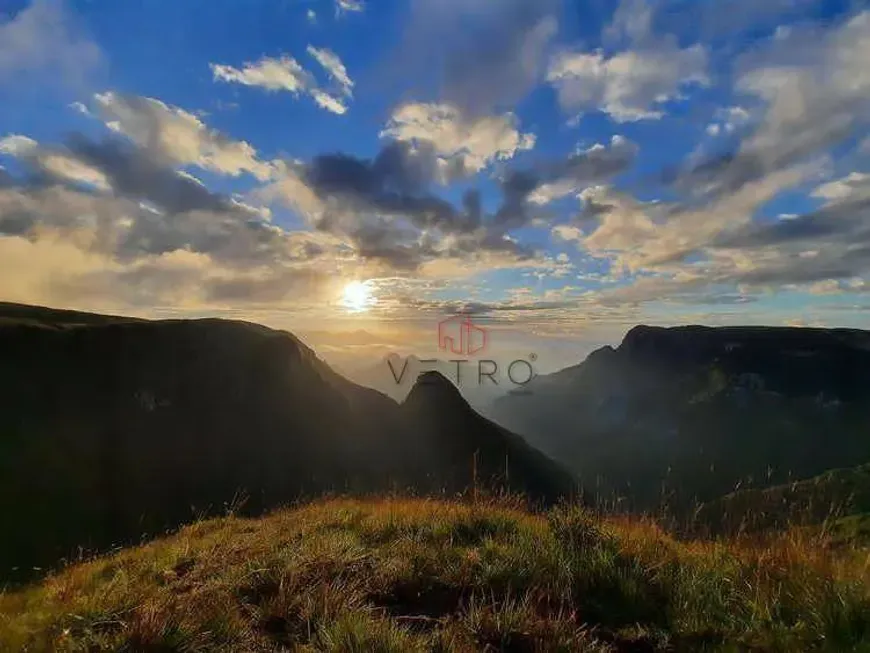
<point x="563" y="170"/>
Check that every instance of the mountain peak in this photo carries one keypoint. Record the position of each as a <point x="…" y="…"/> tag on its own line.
<point x="433" y="388"/>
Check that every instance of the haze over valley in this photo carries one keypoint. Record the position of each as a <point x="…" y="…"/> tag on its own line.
<point x="434" y="325"/>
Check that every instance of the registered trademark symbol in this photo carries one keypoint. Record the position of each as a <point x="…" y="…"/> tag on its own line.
<point x="533" y="357"/>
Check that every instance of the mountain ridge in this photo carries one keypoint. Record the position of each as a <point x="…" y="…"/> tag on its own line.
<point x="668" y="405"/>
<point x="117" y="428"/>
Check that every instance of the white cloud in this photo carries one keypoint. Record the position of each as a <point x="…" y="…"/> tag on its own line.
<point x="623" y="226"/>
<point x="849" y="187"/>
<point x="345" y="6"/>
<point x="69" y="168"/>
<point x="328" y="102"/>
<point x="334" y="67"/>
<point x="814" y="89"/>
<point x="548" y="192"/>
<point x="43" y="38"/>
<point x="728" y="120"/>
<point x="587" y="166"/>
<point x="79" y="107"/>
<point x="273" y="74"/>
<point x="567" y="233"/>
<point x="312" y="16"/>
<point x="475" y="142"/>
<point x="284" y="73"/>
<point x="17" y="145"/>
<point x="629" y="85"/>
<point x="56" y="164"/>
<point x="177" y="136"/>
<point x="818" y="102"/>
<point x="632" y="83"/>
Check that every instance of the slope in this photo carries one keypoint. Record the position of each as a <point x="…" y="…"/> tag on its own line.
<point x="114" y="430"/>
<point x="700" y="410"/>
<point x="409" y="576"/>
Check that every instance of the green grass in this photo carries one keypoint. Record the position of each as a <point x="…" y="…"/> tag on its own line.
<point x="838" y="499"/>
<point x="421" y="575"/>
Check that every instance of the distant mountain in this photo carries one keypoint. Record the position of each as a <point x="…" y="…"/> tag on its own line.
<point x="695" y="411"/>
<point x="111" y="428"/>
<point x="395" y="375"/>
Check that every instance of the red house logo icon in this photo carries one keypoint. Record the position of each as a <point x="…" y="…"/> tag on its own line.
<point x="459" y="335"/>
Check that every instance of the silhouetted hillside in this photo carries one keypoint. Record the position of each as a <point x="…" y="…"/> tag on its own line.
<point x="699" y="410"/>
<point x="114" y="428"/>
<point x="837" y="498"/>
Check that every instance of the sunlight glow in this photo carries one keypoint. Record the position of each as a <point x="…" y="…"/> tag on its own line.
<point x="357" y="296"/>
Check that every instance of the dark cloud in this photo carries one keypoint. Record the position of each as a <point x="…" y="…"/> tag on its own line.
<point x="394" y="183"/>
<point x="815" y="91"/>
<point x="573" y="174"/>
<point x="150" y="209"/>
<point x="135" y="175"/>
<point x="492" y="62"/>
<point x="366" y="199"/>
<point x="846" y="222"/>
<point x="728" y="172"/>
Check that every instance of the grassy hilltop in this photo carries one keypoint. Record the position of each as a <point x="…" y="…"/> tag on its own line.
<point x="425" y="575"/>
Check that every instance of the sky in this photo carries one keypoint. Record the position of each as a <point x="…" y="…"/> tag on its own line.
<point x="356" y="171"/>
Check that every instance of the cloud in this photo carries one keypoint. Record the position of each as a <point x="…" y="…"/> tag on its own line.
<point x="464" y="144"/>
<point x="153" y="238"/>
<point x="385" y="207"/>
<point x="349" y="6"/>
<point x="53" y="164"/>
<point x="631" y="84"/>
<point x="326" y="101"/>
<point x="623" y="223"/>
<point x="284" y="73"/>
<point x="844" y="220"/>
<point x="55" y="271"/>
<point x="135" y="204"/>
<point x="177" y="137"/>
<point x="584" y="167"/>
<point x="127" y="228"/>
<point x="43" y="39"/>
<point x="567" y="233"/>
<point x="133" y="174"/>
<point x="851" y="185"/>
<point x="811" y="94"/>
<point x="332" y="64"/>
<point x="492" y="62"/>
<point x="17" y="145"/>
<point x="273" y="74"/>
<point x="526" y="189"/>
<point x="728" y="120"/>
<point x="815" y="95"/>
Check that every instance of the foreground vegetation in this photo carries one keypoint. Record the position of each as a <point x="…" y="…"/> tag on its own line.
<point x="418" y="575"/>
<point x="837" y="501"/>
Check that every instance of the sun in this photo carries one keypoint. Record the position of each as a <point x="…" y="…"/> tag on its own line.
<point x="357" y="296"/>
